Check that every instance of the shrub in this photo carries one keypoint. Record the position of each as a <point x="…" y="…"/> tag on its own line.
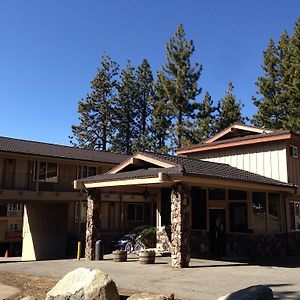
<point x="148" y="237"/>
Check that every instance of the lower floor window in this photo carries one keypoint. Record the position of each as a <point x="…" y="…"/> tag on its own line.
<point x="135" y="212"/>
<point x="295" y="215"/>
<point x="80" y="212"/>
<point x="14" y="227"/>
<point x="238" y="217"/>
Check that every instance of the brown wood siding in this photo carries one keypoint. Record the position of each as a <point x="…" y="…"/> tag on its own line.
<point x="293" y="165"/>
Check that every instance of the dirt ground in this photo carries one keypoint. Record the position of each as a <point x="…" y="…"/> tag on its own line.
<point x="28" y="285"/>
<point x="38" y="286"/>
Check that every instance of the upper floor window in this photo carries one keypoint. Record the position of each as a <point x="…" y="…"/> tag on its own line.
<point x="46" y="171"/>
<point x="294" y="151"/>
<point x="15" y="207"/>
<point x="87" y="171"/>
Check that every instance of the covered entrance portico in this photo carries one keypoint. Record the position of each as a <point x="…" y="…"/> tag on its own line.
<point x="202" y="202"/>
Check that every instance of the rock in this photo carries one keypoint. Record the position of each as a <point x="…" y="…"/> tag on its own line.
<point x="256" y="292"/>
<point x="29" y="298"/>
<point x="147" y="296"/>
<point x="83" y="283"/>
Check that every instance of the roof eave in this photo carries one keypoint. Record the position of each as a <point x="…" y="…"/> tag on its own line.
<point x="255" y="140"/>
<point x="223" y="182"/>
<point x="160" y="178"/>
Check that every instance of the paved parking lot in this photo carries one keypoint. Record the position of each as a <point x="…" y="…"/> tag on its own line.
<point x="205" y="279"/>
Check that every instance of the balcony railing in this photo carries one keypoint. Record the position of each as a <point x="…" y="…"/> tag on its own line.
<point x="25" y="182"/>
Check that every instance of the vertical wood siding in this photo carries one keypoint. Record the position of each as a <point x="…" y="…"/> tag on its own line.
<point x="269" y="160"/>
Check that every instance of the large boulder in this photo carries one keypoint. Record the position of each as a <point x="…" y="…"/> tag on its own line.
<point x="147" y="296"/>
<point x="256" y="292"/>
<point x="83" y="283"/>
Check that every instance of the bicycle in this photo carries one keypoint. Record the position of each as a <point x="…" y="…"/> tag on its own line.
<point x="134" y="246"/>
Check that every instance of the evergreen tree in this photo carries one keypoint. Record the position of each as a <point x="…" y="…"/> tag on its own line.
<point x="125" y="110"/>
<point x="95" y="127"/>
<point x="160" y="120"/>
<point x="229" y="111"/>
<point x="205" y="123"/>
<point x="180" y="84"/>
<point x="271" y="106"/>
<point x="293" y="86"/>
<point x="144" y="85"/>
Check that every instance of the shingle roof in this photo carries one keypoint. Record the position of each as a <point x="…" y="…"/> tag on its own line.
<point x="12" y="145"/>
<point x="141" y="173"/>
<point x="192" y="167"/>
<point x="237" y="139"/>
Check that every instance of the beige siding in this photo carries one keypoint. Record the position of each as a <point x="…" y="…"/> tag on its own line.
<point x="269" y="160"/>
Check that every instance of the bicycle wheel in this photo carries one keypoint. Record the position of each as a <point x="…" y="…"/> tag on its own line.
<point x="128" y="247"/>
<point x="138" y="247"/>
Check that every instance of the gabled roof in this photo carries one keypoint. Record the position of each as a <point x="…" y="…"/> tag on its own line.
<point x="237" y="130"/>
<point x="235" y="135"/>
<point x="11" y="145"/>
<point x="181" y="166"/>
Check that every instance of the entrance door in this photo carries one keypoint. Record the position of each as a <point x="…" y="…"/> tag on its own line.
<point x="217" y="245"/>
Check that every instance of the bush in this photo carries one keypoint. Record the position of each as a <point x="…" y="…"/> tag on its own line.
<point x="148" y="237"/>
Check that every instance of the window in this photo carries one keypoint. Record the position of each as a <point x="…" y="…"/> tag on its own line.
<point x="237" y="195"/>
<point x="47" y="172"/>
<point x="80" y="211"/>
<point x="294" y="151"/>
<point x="295" y="215"/>
<point x="238" y="217"/>
<point x="135" y="212"/>
<point x="274" y="212"/>
<point x="198" y="208"/>
<point x="14" y="227"/>
<point x="259" y="221"/>
<point x="15" y="207"/>
<point x="86" y="171"/>
<point x="216" y="194"/>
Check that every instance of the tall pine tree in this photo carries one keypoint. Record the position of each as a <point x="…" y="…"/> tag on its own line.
<point x="160" y="120"/>
<point x="180" y="84"/>
<point x="271" y="106"/>
<point x="205" y="123"/>
<point x="144" y="86"/>
<point x="229" y="110"/>
<point x="95" y="129"/>
<point x="125" y="112"/>
<point x="293" y="74"/>
<point x="279" y="87"/>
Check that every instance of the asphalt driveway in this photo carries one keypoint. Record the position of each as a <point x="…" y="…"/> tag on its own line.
<point x="205" y="279"/>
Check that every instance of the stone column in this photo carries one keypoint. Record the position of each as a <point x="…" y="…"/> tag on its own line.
<point x="180" y="227"/>
<point x="93" y="223"/>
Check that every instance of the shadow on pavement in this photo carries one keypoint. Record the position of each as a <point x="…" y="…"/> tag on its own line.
<point x="284" y="294"/>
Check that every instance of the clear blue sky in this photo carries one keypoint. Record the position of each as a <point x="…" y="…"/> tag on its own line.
<point x="50" y="50"/>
